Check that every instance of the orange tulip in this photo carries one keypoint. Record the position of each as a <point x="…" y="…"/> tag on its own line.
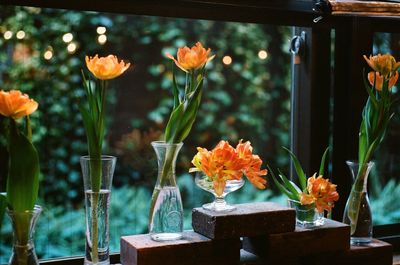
<point x="105" y="68"/>
<point x="252" y="169"/>
<point x="16" y="105"/>
<point x="385" y="64"/>
<point x="192" y="58"/>
<point x="321" y="192"/>
<point x="380" y="78"/>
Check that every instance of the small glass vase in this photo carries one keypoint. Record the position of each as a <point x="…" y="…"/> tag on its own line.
<point x="23" y="225"/>
<point x="307" y="216"/>
<point x="97" y="204"/>
<point x="219" y="204"/>
<point x="357" y="212"/>
<point x="166" y="210"/>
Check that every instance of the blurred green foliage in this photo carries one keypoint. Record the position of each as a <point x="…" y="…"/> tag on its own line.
<point x="384" y="182"/>
<point x="249" y="99"/>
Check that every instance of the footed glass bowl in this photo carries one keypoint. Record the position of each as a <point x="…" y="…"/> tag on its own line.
<point x="219" y="204"/>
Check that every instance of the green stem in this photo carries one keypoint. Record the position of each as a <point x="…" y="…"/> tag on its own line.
<point x="95" y="173"/>
<point x="355" y="196"/>
<point x="95" y="233"/>
<point x="22" y="223"/>
<point x="165" y="173"/>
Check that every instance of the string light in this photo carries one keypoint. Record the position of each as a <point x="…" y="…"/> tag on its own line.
<point x="71" y="48"/>
<point x="102" y="39"/>
<point x="101" y="30"/>
<point x="21" y="34"/>
<point x="262" y="54"/>
<point x="68" y="37"/>
<point x="48" y="55"/>
<point x="227" y="60"/>
<point x="8" y="35"/>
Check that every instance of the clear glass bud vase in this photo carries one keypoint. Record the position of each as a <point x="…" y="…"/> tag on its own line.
<point x="23" y="225"/>
<point x="166" y="211"/>
<point x="358" y="211"/>
<point x="97" y="204"/>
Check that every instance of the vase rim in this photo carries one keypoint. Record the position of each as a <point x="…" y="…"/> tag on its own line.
<point x="103" y="158"/>
<point x="203" y="175"/>
<point x="310" y="206"/>
<point x="36" y="209"/>
<point x="163" y="143"/>
<point x="355" y="162"/>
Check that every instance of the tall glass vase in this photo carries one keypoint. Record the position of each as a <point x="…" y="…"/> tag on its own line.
<point x="23" y="225"/>
<point x="358" y="211"/>
<point x="166" y="211"/>
<point x="97" y="204"/>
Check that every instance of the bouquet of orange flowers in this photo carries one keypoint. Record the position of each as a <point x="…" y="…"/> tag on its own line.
<point x="316" y="191"/>
<point x="225" y="163"/>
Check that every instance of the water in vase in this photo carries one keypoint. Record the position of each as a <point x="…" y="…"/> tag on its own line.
<point x="167" y="219"/>
<point x="102" y="216"/>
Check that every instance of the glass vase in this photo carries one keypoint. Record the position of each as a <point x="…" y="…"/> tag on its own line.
<point x="219" y="204"/>
<point x="166" y="211"/>
<point x="97" y="204"/>
<point x="357" y="212"/>
<point x="23" y="225"/>
<point x="307" y="216"/>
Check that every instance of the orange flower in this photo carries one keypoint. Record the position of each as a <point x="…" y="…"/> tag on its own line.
<point x="105" y="68"/>
<point x="379" y="80"/>
<point x="220" y="164"/>
<point x="192" y="58"/>
<point x="321" y="192"/>
<point x="306" y="199"/>
<point x="16" y="105"/>
<point x="252" y="169"/>
<point x="385" y="64"/>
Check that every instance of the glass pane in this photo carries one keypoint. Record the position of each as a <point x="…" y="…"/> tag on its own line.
<point x="247" y="95"/>
<point x="384" y="185"/>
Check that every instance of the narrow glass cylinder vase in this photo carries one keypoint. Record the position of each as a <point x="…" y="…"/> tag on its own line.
<point x="166" y="211"/>
<point x="23" y="225"/>
<point x="97" y="204"/>
<point x="307" y="216"/>
<point x="357" y="212"/>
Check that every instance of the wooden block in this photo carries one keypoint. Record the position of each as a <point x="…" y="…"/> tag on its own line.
<point x="250" y="219"/>
<point x="247" y="258"/>
<point x="193" y="249"/>
<point x="331" y="237"/>
<point x="375" y="253"/>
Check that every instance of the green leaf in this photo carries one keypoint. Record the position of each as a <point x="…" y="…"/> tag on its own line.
<point x="175" y="90"/>
<point x="23" y="178"/>
<point x="189" y="116"/>
<point x="289" y="185"/>
<point x="369" y="89"/>
<point x="3" y="206"/>
<point x="323" y="159"/>
<point x="299" y="170"/>
<point x="280" y="186"/>
<point x="362" y="142"/>
<point x="174" y="123"/>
